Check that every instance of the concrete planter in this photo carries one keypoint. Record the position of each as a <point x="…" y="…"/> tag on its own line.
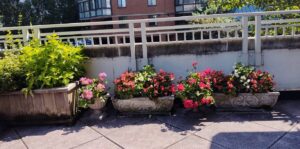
<point x="98" y="105"/>
<point x="97" y="110"/>
<point x="246" y="100"/>
<point x="55" y="105"/>
<point x="144" y="105"/>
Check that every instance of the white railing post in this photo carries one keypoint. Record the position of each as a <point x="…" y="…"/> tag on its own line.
<point x="258" y="53"/>
<point x="245" y="57"/>
<point x="144" y="43"/>
<point x="132" y="47"/>
<point x="37" y="33"/>
<point x="25" y="35"/>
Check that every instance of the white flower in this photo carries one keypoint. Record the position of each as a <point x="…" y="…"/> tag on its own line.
<point x="248" y="86"/>
<point x="248" y="80"/>
<point x="243" y="77"/>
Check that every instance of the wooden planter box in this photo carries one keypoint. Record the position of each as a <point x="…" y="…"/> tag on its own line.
<point x="246" y="100"/>
<point x="45" y="106"/>
<point x="144" y="105"/>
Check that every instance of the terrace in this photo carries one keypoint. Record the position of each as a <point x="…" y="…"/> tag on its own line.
<point x="278" y="128"/>
<point x="259" y="39"/>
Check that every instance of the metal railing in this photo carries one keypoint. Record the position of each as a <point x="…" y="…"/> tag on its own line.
<point x="243" y="26"/>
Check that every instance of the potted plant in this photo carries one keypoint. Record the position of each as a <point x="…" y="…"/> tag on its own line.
<point x="144" y="92"/>
<point x="197" y="88"/>
<point x="93" y="94"/>
<point x="46" y="74"/>
<point x="247" y="87"/>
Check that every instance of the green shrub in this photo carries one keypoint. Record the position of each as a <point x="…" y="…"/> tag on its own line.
<point x="52" y="64"/>
<point x="11" y="72"/>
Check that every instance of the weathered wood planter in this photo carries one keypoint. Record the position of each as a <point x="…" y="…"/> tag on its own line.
<point x="246" y="100"/>
<point x="144" y="105"/>
<point x="45" y="106"/>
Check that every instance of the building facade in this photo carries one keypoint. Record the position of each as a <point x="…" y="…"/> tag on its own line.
<point x="136" y="9"/>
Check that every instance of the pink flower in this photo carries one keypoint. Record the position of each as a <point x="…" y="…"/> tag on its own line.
<point x="192" y="81"/>
<point x="188" y="104"/>
<point x="194" y="64"/>
<point x="86" y="81"/>
<point x="102" y="76"/>
<point x="180" y="87"/>
<point x="196" y="105"/>
<point x="202" y="85"/>
<point x="207" y="71"/>
<point x="100" y="87"/>
<point x="87" y="94"/>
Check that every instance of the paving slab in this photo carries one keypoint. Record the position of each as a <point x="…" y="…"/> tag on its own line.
<point x="36" y="137"/>
<point x="289" y="141"/>
<point x="273" y="119"/>
<point x="10" y="140"/>
<point x="194" y="142"/>
<point x="289" y="106"/>
<point x="98" y="143"/>
<point x="112" y="124"/>
<point x="150" y="134"/>
<point x="296" y="130"/>
<point x="238" y="135"/>
<point x="191" y="122"/>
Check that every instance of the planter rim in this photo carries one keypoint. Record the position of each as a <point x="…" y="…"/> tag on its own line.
<point x="68" y="88"/>
<point x="274" y="93"/>
<point x="164" y="97"/>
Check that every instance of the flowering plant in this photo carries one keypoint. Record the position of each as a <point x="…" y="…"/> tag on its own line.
<point x="145" y="83"/>
<point x="196" y="90"/>
<point x="92" y="89"/>
<point x="245" y="79"/>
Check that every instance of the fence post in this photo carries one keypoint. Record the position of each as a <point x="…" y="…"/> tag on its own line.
<point x="25" y="35"/>
<point x="144" y="43"/>
<point x="245" y="57"/>
<point x="36" y="33"/>
<point x="132" y="47"/>
<point x="258" y="56"/>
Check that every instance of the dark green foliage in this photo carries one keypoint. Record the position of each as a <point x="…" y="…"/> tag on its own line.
<point x="38" y="11"/>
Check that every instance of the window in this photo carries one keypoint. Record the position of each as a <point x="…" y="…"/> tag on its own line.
<point x="188" y="6"/>
<point x="123" y="25"/>
<point x="153" y="23"/>
<point x="86" y="9"/>
<point x="151" y="2"/>
<point x="121" y="3"/>
<point x="94" y="8"/>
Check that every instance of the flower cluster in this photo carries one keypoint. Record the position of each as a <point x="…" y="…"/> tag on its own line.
<point x="145" y="83"/>
<point x="197" y="89"/>
<point x="92" y="89"/>
<point x="160" y="85"/>
<point x="125" y="85"/>
<point x="245" y="79"/>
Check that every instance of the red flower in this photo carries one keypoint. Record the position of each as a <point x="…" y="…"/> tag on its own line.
<point x="172" y="89"/>
<point x="203" y="85"/>
<point x="180" y="87"/>
<point x="188" y="104"/>
<point x="205" y="101"/>
<point x="162" y="88"/>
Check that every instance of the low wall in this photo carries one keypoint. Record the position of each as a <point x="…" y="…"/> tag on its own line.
<point x="281" y="57"/>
